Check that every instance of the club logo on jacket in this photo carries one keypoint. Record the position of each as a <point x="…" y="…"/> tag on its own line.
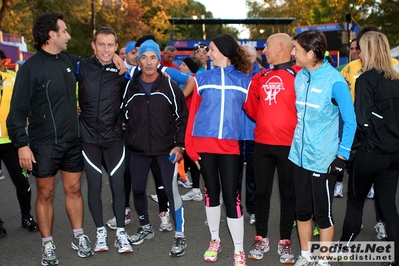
<point x="272" y="87"/>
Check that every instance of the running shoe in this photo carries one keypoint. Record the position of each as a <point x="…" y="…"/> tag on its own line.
<point x="215" y="247"/>
<point x="252" y="219"/>
<point x="2" y="175"/>
<point x="122" y="242"/>
<point x="29" y="223"/>
<point x="259" y="247"/>
<point x="112" y="222"/>
<point x="3" y="231"/>
<point x="302" y="261"/>
<point x="81" y="244"/>
<point x="380" y="230"/>
<point x="179" y="247"/>
<point x="154" y="197"/>
<point x="284" y="250"/>
<point x="142" y="233"/>
<point x="101" y="243"/>
<point x="165" y="225"/>
<point x="48" y="254"/>
<point x="240" y="259"/>
<point x="191" y="195"/>
<point x="184" y="183"/>
<point x="370" y="195"/>
<point x="338" y="190"/>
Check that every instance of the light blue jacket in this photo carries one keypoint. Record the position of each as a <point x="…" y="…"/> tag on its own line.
<point x="223" y="92"/>
<point x="321" y="95"/>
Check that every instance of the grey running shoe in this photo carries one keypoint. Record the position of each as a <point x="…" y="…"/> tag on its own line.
<point x="112" y="222"/>
<point x="184" y="183"/>
<point x="82" y="246"/>
<point x="122" y="243"/>
<point x="179" y="247"/>
<point x="380" y="230"/>
<point x="191" y="195"/>
<point x="101" y="243"/>
<point x="165" y="225"/>
<point x="141" y="234"/>
<point x="48" y="254"/>
<point x="284" y="250"/>
<point x="259" y="247"/>
<point x="302" y="261"/>
<point x="2" y="175"/>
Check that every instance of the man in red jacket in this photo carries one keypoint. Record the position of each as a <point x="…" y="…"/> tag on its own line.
<point x="271" y="103"/>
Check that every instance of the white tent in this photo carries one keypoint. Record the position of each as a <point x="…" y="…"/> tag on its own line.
<point x="395" y="52"/>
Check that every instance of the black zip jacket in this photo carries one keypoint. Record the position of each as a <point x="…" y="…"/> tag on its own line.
<point x="100" y="99"/>
<point x="45" y="93"/>
<point x="157" y="122"/>
<point x="377" y="113"/>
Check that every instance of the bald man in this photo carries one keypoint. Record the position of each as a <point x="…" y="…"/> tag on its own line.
<point x="271" y="103"/>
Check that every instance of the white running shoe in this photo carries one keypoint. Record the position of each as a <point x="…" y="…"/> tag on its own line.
<point x="338" y="190"/>
<point x="122" y="242"/>
<point x="370" y="195"/>
<point x="2" y="175"/>
<point x="380" y="230"/>
<point x="191" y="195"/>
<point x="101" y="243"/>
<point x="252" y="219"/>
<point x="165" y="225"/>
<point x="154" y="197"/>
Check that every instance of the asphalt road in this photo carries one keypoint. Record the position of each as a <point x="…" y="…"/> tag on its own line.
<point x="23" y="248"/>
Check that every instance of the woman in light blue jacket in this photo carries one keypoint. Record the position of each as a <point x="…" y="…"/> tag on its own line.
<point x="317" y="152"/>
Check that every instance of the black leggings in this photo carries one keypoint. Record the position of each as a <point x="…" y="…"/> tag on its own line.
<point x="314" y="193"/>
<point x="112" y="156"/>
<point x="227" y="166"/>
<point x="195" y="173"/>
<point x="266" y="159"/>
<point x="383" y="171"/>
<point x="9" y="156"/>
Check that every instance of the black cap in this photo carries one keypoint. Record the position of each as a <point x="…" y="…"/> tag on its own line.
<point x="143" y="39"/>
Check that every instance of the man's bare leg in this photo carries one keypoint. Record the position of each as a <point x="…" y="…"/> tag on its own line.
<point x="44" y="205"/>
<point x="73" y="198"/>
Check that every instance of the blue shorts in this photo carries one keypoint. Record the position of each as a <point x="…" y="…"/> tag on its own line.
<point x="66" y="156"/>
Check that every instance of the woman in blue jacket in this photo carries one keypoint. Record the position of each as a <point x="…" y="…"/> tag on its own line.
<point x="318" y="154"/>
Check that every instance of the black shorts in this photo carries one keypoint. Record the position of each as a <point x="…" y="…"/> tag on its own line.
<point x="66" y="156"/>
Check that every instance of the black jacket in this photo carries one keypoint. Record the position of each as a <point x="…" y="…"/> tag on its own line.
<point x="44" y="92"/>
<point x="157" y="122"/>
<point x="377" y="113"/>
<point x="100" y="99"/>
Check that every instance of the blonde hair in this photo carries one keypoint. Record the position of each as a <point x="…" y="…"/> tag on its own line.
<point x="375" y="47"/>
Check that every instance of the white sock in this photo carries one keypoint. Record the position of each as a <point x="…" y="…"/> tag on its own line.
<point x="196" y="190"/>
<point x="236" y="227"/>
<point x="47" y="239"/>
<point x="305" y="254"/>
<point x="323" y="262"/>
<point x="213" y="218"/>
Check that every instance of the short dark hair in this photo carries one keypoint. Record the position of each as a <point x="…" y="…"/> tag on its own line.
<point x="106" y="31"/>
<point x="43" y="24"/>
<point x="2" y="55"/>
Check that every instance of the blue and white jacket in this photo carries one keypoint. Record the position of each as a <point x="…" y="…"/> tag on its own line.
<point x="321" y="95"/>
<point x="223" y="92"/>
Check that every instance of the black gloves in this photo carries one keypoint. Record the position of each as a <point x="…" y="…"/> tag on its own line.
<point x="336" y="167"/>
<point x="350" y="163"/>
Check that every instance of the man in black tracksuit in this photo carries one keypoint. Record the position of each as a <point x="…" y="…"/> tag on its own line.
<point x="100" y="98"/>
<point x="157" y="113"/>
